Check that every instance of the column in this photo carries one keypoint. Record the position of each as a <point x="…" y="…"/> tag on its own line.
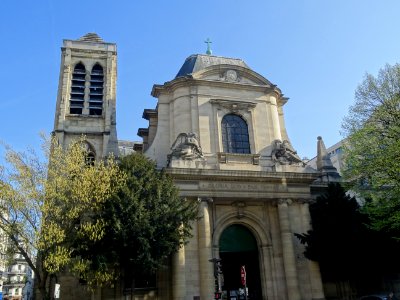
<point x="289" y="260"/>
<point x="317" y="289"/>
<point x="178" y="275"/>
<point x="206" y="272"/>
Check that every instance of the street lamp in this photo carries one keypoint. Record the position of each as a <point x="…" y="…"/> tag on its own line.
<point x="217" y="272"/>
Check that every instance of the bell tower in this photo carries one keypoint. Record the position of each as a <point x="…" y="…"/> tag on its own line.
<point x="86" y="99"/>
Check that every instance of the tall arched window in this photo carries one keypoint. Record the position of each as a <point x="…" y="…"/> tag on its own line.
<point x="235" y="134"/>
<point x="77" y="89"/>
<point x="96" y="91"/>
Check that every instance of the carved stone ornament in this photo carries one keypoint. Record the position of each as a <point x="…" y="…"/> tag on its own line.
<point x="205" y="199"/>
<point x="186" y="147"/>
<point x="240" y="206"/>
<point x="292" y="201"/>
<point x="284" y="201"/>
<point x="283" y="153"/>
<point x="231" y="75"/>
<point x="302" y="200"/>
<point x="234" y="105"/>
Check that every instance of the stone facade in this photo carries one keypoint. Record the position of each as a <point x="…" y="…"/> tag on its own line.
<point x="100" y="128"/>
<point x="266" y="190"/>
<point x="19" y="282"/>
<point x="218" y="130"/>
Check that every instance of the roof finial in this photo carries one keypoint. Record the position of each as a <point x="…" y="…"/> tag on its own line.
<point x="324" y="164"/>
<point x="208" y="42"/>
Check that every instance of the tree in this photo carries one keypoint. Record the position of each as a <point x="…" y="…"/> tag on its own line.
<point x="47" y="206"/>
<point x="336" y="238"/>
<point x="372" y="148"/>
<point x="343" y="244"/>
<point x="147" y="221"/>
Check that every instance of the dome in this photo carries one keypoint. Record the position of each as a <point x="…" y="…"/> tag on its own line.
<point x="199" y="62"/>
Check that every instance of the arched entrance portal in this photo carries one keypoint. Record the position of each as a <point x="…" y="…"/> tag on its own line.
<point x="238" y="247"/>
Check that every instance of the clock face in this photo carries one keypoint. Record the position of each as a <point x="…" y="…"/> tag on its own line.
<point x="231" y="75"/>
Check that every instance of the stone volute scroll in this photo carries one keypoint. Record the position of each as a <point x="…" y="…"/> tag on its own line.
<point x="186" y="147"/>
<point x="283" y="153"/>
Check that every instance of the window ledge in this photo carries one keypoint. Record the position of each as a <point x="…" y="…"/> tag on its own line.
<point x="83" y="116"/>
<point x="239" y="158"/>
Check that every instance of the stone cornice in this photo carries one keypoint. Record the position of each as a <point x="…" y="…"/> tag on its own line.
<point x="143" y="132"/>
<point x="74" y="132"/>
<point x="240" y="175"/>
<point x="282" y="100"/>
<point x="148" y="113"/>
<point x="88" y="42"/>
<point x="170" y="86"/>
<point x="84" y="52"/>
<point x="292" y="201"/>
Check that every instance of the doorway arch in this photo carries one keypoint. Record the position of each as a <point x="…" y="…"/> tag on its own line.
<point x="238" y="247"/>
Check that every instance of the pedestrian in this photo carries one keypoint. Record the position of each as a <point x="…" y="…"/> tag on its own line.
<point x="391" y="296"/>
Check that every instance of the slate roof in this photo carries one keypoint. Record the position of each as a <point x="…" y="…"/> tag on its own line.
<point x="197" y="62"/>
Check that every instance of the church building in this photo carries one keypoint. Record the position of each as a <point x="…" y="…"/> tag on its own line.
<point x="219" y="130"/>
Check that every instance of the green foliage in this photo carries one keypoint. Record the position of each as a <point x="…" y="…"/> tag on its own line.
<point x="146" y="222"/>
<point x="46" y="205"/>
<point x="100" y="221"/>
<point x="372" y="148"/>
<point x="337" y="233"/>
<point x="344" y="245"/>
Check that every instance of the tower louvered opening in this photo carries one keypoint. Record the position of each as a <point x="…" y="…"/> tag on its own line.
<point x="96" y="91"/>
<point x="77" y="89"/>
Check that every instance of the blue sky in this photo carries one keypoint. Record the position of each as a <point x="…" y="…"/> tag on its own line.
<point x="316" y="51"/>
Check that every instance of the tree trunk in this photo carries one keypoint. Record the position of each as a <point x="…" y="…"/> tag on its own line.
<point x="129" y="283"/>
<point x="40" y="282"/>
<point x="43" y="294"/>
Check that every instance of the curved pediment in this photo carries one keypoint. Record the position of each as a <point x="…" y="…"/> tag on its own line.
<point x="231" y="74"/>
<point x="217" y="70"/>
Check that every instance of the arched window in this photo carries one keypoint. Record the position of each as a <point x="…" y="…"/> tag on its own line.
<point x="90" y="154"/>
<point x="96" y="91"/>
<point x="77" y="89"/>
<point x="235" y="134"/>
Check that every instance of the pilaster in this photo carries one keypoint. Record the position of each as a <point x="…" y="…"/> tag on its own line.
<point x="289" y="261"/>
<point x="205" y="251"/>
<point x="270" y="291"/>
<point x="317" y="289"/>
